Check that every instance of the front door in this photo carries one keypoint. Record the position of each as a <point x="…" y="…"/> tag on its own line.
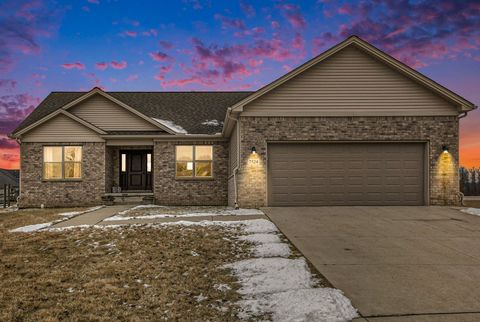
<point x="135" y="170"/>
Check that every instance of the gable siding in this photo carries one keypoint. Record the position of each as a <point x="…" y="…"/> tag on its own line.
<point x="350" y="83"/>
<point x="61" y="128"/>
<point x="109" y="116"/>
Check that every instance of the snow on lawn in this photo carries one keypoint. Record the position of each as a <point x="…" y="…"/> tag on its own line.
<point x="153" y="214"/>
<point x="30" y="228"/>
<point x="284" y="287"/>
<point x="472" y="211"/>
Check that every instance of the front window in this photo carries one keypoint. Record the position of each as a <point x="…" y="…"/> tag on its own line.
<point x="62" y="162"/>
<point x="194" y="161"/>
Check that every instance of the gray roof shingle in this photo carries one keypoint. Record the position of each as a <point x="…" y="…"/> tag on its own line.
<point x="190" y="110"/>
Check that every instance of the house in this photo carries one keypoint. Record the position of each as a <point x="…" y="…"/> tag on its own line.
<point x="352" y="126"/>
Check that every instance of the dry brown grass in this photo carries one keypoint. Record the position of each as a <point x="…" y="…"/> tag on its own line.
<point x="126" y="274"/>
<point x="25" y="217"/>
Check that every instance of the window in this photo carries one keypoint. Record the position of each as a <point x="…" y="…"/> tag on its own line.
<point x="194" y="161"/>
<point x="149" y="162"/>
<point x="62" y="162"/>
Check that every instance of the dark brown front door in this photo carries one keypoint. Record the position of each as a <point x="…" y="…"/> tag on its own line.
<point x="135" y="170"/>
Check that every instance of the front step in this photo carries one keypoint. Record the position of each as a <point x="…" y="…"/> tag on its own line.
<point x="128" y="198"/>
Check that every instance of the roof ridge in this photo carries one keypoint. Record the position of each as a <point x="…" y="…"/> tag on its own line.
<point x="182" y="92"/>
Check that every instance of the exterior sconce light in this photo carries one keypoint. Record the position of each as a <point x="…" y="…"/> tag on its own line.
<point x="254" y="150"/>
<point x="445" y="149"/>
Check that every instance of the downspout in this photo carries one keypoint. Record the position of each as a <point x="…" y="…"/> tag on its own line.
<point x="235" y="170"/>
<point x="460" y="195"/>
<point x="19" y="141"/>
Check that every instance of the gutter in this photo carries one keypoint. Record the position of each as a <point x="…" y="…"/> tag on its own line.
<point x="235" y="170"/>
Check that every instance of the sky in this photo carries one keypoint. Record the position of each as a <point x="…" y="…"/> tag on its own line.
<point x="208" y="45"/>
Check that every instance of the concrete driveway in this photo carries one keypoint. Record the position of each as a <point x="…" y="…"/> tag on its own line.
<point x="394" y="263"/>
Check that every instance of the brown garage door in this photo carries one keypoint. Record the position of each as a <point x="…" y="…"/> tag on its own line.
<point x="311" y="174"/>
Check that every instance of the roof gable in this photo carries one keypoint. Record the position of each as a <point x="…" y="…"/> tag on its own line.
<point x="462" y="103"/>
<point x="110" y="116"/>
<point x="350" y="83"/>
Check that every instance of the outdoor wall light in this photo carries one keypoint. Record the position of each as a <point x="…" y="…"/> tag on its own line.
<point x="445" y="149"/>
<point x="254" y="150"/>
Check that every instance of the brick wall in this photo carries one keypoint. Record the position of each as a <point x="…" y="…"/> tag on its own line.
<point x="437" y="131"/>
<point x="171" y="191"/>
<point x="87" y="191"/>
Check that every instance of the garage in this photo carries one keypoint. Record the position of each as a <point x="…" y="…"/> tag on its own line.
<point x="318" y="174"/>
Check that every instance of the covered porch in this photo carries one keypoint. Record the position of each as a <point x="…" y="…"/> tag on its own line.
<point x="129" y="172"/>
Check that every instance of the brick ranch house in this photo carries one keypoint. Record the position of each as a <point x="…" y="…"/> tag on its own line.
<point x="352" y="126"/>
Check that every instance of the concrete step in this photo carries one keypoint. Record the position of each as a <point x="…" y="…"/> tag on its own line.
<point x="128" y="198"/>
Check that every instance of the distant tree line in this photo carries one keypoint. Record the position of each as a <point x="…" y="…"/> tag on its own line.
<point x="470" y="181"/>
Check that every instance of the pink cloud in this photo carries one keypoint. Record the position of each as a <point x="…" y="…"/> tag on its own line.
<point x="255" y="63"/>
<point x="101" y="65"/>
<point x="130" y="33"/>
<point x="293" y="15"/>
<point x="76" y="65"/>
<point x="345" y="9"/>
<point x="118" y="65"/>
<point x="275" y="25"/>
<point x="159" y="56"/>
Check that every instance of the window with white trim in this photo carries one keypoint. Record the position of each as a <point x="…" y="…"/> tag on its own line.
<point x="194" y="161"/>
<point x="62" y="162"/>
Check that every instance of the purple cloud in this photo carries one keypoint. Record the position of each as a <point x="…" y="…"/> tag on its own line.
<point x="118" y="65"/>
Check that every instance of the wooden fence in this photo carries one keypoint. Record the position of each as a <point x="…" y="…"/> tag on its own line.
<point x="470" y="181"/>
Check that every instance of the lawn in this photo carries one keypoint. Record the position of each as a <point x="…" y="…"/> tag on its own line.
<point x="213" y="271"/>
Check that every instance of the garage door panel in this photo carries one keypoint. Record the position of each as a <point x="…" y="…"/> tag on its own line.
<point x="346" y="174"/>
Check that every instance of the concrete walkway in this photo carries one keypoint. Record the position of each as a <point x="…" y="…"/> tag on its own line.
<point x="93" y="217"/>
<point x="394" y="263"/>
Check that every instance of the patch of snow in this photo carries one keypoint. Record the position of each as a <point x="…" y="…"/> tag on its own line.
<point x="172" y="126"/>
<point x="472" y="211"/>
<point x="200" y="298"/>
<point x="75" y="213"/>
<point x="259" y="226"/>
<point x="30" y="228"/>
<point x="70" y="290"/>
<point x="194" y="253"/>
<point x="261" y="238"/>
<point x="272" y="250"/>
<point x="271" y="275"/>
<point x="314" y="304"/>
<point x="222" y="287"/>
<point x="212" y="123"/>
<point x="286" y="288"/>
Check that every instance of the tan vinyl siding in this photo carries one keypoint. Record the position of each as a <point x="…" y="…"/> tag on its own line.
<point x="109" y="116"/>
<point x="233" y="149"/>
<point x="350" y="83"/>
<point x="61" y="128"/>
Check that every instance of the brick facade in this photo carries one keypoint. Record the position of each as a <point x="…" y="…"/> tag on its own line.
<point x="201" y="192"/>
<point x="435" y="131"/>
<point x="87" y="191"/>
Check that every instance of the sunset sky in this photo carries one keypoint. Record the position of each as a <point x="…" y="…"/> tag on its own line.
<point x="187" y="45"/>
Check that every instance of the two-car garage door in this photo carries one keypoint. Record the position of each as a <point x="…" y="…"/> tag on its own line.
<point x="316" y="174"/>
